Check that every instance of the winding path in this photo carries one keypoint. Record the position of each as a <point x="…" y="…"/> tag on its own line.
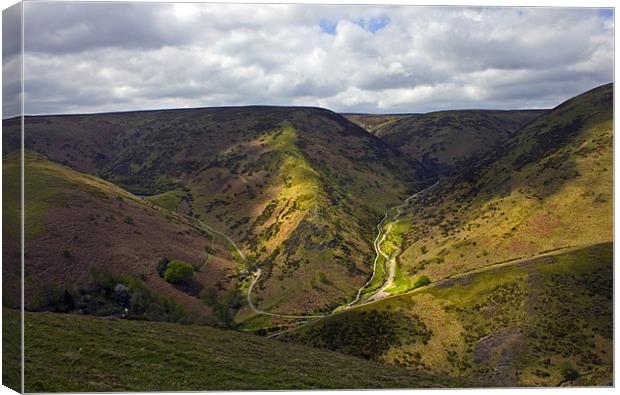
<point x="382" y="232"/>
<point x="259" y="311"/>
<point x="381" y="235"/>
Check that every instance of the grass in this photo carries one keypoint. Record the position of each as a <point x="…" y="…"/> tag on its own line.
<point x="66" y="353"/>
<point x="379" y="277"/>
<point x="45" y="187"/>
<point x="169" y="200"/>
<point x="11" y="349"/>
<point x="448" y="138"/>
<point x="396" y="232"/>
<point x="332" y="182"/>
<point x="515" y="324"/>
<point x="548" y="187"/>
<point x="235" y="254"/>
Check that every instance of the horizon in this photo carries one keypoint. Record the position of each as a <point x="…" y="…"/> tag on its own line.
<point x="294" y="106"/>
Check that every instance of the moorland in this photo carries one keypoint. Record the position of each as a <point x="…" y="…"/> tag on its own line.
<point x="449" y="249"/>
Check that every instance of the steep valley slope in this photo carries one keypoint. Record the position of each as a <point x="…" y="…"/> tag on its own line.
<point x="547" y="188"/>
<point x="519" y="256"/>
<point x="541" y="322"/>
<point x="298" y="189"/>
<point x="87" y="237"/>
<point x="513" y="241"/>
<point x="447" y="141"/>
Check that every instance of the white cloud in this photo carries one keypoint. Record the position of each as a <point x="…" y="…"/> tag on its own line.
<point x="89" y="57"/>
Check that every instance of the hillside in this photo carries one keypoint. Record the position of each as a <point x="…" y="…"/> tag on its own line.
<point x="69" y="353"/>
<point x="84" y="234"/>
<point x="448" y="140"/>
<point x="547" y="188"/>
<point x="374" y="122"/>
<point x="541" y="322"/>
<point x="300" y="190"/>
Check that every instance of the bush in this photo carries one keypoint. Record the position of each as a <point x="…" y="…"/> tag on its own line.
<point x="422" y="281"/>
<point x="223" y="315"/>
<point x="178" y="271"/>
<point x="569" y="372"/>
<point x="128" y="297"/>
<point x="52" y="298"/>
<point x="162" y="265"/>
<point x="209" y="296"/>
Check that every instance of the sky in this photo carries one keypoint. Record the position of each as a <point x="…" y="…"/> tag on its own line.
<point x="102" y="57"/>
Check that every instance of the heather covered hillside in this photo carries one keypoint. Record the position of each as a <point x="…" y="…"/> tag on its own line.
<point x="299" y="190"/>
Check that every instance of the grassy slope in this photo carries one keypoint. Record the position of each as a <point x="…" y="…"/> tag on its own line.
<point x="549" y="187"/>
<point x="525" y="323"/>
<point x="78" y="225"/>
<point x="299" y="189"/>
<point x="11" y="349"/>
<point x="445" y="140"/>
<point x="375" y="122"/>
<point x="80" y="353"/>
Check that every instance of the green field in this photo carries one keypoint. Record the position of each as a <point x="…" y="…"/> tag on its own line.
<point x="80" y="353"/>
<point x="543" y="322"/>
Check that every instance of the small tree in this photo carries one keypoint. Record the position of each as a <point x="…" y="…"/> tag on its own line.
<point x="422" y="281"/>
<point x="569" y="372"/>
<point x="68" y="302"/>
<point x="162" y="265"/>
<point x="178" y="271"/>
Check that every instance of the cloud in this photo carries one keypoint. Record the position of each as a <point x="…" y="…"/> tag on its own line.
<point x="11" y="60"/>
<point x="91" y="57"/>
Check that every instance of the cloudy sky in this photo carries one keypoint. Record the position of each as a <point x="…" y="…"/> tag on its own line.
<point x="95" y="57"/>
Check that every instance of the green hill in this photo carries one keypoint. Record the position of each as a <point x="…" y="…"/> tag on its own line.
<point x="375" y="122"/>
<point x="66" y="353"/>
<point x="547" y="188"/>
<point x="541" y="322"/>
<point x="447" y="140"/>
<point x="300" y="190"/>
<point x="87" y="237"/>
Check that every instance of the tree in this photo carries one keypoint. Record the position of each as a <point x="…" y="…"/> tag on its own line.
<point x="162" y="265"/>
<point x="178" y="271"/>
<point x="422" y="281"/>
<point x="68" y="302"/>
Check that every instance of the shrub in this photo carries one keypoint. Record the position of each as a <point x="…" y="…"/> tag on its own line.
<point x="422" y="281"/>
<point x="128" y="297"/>
<point x="423" y="249"/>
<point x="162" y="265"/>
<point x="68" y="301"/>
<point x="569" y="372"/>
<point x="128" y="220"/>
<point x="52" y="298"/>
<point x="178" y="271"/>
<point x="223" y="315"/>
<point x="209" y="296"/>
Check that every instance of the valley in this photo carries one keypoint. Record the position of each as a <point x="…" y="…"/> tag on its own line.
<point x="440" y="248"/>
